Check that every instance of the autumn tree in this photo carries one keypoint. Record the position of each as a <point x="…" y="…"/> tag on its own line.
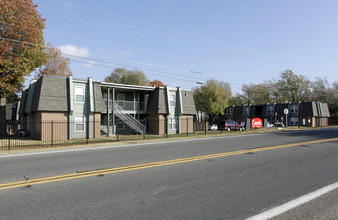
<point x="323" y="91"/>
<point x="236" y="100"/>
<point x="212" y="97"/>
<point x="131" y="77"/>
<point x="56" y="65"/>
<point x="256" y="94"/>
<point x="248" y="93"/>
<point x="293" y="87"/>
<point x="12" y="97"/>
<point x="22" y="50"/>
<point x="156" y="83"/>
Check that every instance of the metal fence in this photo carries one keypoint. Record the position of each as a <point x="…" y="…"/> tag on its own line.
<point x="47" y="134"/>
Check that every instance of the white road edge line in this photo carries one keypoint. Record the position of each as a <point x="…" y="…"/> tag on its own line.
<point x="294" y="203"/>
<point x="119" y="146"/>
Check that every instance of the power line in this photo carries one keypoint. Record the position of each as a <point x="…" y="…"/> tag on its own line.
<point x="109" y="62"/>
<point x="126" y="47"/>
<point x="129" y="26"/>
<point x="231" y="84"/>
<point x="142" y="50"/>
<point x="89" y="21"/>
<point x="170" y="55"/>
<point x="78" y="61"/>
<point x="143" y="34"/>
<point x="144" y="23"/>
<point x="118" y="64"/>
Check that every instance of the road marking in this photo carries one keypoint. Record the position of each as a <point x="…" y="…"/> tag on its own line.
<point x="29" y="182"/>
<point x="294" y="203"/>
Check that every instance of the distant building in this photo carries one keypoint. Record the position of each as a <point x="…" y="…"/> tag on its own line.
<point x="310" y="114"/>
<point x="67" y="108"/>
<point x="11" y="117"/>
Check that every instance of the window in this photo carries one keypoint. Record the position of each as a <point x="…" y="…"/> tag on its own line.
<point x="246" y="110"/>
<point x="270" y="109"/>
<point x="79" y="123"/>
<point x="79" y="94"/>
<point x="121" y="100"/>
<point x="120" y="125"/>
<point x="294" y="108"/>
<point x="172" y="123"/>
<point x="172" y="100"/>
<point x="105" y="101"/>
<point x="293" y="121"/>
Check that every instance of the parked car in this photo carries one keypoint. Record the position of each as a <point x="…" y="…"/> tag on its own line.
<point x="230" y="125"/>
<point x="243" y="123"/>
<point x="213" y="127"/>
<point x="279" y="124"/>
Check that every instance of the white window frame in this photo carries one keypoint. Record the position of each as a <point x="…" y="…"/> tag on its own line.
<point x="121" y="99"/>
<point x="81" y="94"/>
<point x="82" y="121"/>
<point x="172" y="123"/>
<point x="172" y="100"/>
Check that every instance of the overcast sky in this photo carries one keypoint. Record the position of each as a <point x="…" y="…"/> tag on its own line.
<point x="181" y="42"/>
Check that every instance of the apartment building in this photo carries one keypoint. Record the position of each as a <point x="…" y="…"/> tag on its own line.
<point x="90" y="109"/>
<point x="310" y="114"/>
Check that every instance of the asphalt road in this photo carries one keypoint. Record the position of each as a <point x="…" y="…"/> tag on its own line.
<point x="120" y="182"/>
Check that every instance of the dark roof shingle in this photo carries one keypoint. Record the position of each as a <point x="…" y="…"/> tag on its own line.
<point x="50" y="94"/>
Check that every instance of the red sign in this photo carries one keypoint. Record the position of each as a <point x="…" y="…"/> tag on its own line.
<point x="256" y="123"/>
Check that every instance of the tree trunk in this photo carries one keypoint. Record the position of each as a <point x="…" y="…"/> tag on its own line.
<point x="2" y="116"/>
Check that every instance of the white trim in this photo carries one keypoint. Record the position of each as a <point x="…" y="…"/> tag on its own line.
<point x="172" y="120"/>
<point x="84" y="91"/>
<point x="125" y="86"/>
<point x="80" y="123"/>
<point x="172" y="98"/>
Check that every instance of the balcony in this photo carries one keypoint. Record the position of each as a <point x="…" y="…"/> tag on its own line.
<point x="127" y="105"/>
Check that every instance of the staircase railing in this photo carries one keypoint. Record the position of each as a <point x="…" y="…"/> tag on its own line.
<point x="129" y="120"/>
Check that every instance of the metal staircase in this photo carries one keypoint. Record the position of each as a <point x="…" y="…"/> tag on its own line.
<point x="129" y="120"/>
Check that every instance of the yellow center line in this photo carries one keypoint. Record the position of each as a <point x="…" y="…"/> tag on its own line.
<point x="149" y="165"/>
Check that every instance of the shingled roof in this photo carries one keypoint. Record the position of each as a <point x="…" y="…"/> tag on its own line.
<point x="188" y="103"/>
<point x="157" y="102"/>
<point x="98" y="100"/>
<point x="50" y="94"/>
<point x="324" y="109"/>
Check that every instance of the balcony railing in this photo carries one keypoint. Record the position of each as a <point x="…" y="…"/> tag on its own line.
<point x="126" y="105"/>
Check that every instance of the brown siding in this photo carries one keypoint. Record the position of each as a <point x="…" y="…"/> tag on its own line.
<point x="96" y="125"/>
<point x="187" y="123"/>
<point x="324" y="122"/>
<point x="52" y="125"/>
<point x="157" y="124"/>
<point x="314" y="122"/>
